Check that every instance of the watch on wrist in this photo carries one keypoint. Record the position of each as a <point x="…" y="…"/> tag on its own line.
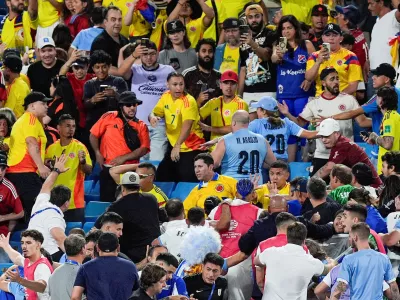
<point x="57" y="170"/>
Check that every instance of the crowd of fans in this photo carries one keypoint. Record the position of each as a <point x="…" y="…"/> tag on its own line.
<point x="213" y="93"/>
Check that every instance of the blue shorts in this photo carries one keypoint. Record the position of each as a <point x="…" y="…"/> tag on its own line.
<point x="296" y="106"/>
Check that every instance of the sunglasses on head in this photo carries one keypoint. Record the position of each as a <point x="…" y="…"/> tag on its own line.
<point x="143" y="176"/>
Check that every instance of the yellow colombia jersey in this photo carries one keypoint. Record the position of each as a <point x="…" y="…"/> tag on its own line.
<point x="139" y="26"/>
<point x="16" y="93"/>
<point x="221" y="113"/>
<point x="210" y="32"/>
<point x="263" y="190"/>
<point x="47" y="13"/>
<point x="16" y="33"/>
<point x="194" y="30"/>
<point x="159" y="194"/>
<point x="26" y="79"/>
<point x="390" y="126"/>
<point x="230" y="61"/>
<point x="220" y="186"/>
<point x="346" y="64"/>
<point x="232" y="8"/>
<point x="19" y="159"/>
<point x="123" y="6"/>
<point x="175" y="113"/>
<point x="301" y="9"/>
<point x="156" y="33"/>
<point x="75" y="177"/>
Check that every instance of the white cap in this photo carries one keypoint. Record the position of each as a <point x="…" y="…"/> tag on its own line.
<point x="130" y="178"/>
<point x="45" y="41"/>
<point x="328" y="126"/>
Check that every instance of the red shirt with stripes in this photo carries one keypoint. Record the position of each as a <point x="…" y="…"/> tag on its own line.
<point x="9" y="203"/>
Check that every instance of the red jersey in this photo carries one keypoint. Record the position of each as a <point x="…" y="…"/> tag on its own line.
<point x="77" y="88"/>
<point x="9" y="203"/>
<point x="76" y="23"/>
<point x="360" y="47"/>
<point x="349" y="153"/>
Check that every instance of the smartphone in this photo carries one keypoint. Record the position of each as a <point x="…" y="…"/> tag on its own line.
<point x="327" y="46"/>
<point x="204" y="87"/>
<point x="283" y="43"/>
<point x="144" y="42"/>
<point x="244" y="29"/>
<point x="103" y="87"/>
<point x="364" y="134"/>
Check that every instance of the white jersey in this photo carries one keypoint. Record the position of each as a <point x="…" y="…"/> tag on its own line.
<point x="172" y="239"/>
<point x="324" y="107"/>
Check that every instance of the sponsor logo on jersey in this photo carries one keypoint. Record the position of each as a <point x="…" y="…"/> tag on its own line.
<point x="340" y="62"/>
<point x="227" y="112"/>
<point x="342" y="107"/>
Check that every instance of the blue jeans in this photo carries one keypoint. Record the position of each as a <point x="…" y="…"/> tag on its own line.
<point x="158" y="143"/>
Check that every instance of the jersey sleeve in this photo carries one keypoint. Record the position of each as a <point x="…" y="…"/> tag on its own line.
<point x="76" y="41"/>
<point x="88" y="159"/>
<point x="307" y="113"/>
<point x="181" y="287"/>
<point x="31" y="128"/>
<point x="354" y="69"/>
<point x="311" y="60"/>
<point x="144" y="136"/>
<point x="370" y="106"/>
<point x="205" y="110"/>
<point x="190" y="200"/>
<point x="388" y="127"/>
<point x="253" y="126"/>
<point x="80" y="279"/>
<point x="42" y="272"/>
<point x="294" y="129"/>
<point x="158" y="110"/>
<point x="389" y="276"/>
<point x="345" y="271"/>
<point x="99" y="127"/>
<point x="190" y="111"/>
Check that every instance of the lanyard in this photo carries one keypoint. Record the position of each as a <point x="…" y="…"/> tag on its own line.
<point x="212" y="292"/>
<point x="71" y="262"/>
<point x="42" y="210"/>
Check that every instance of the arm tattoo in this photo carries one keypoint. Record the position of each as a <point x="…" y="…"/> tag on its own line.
<point x="339" y="290"/>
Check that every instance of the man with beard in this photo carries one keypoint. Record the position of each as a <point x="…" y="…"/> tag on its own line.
<point x="221" y="109"/>
<point x="118" y="138"/>
<point x="202" y="81"/>
<point x="79" y="164"/>
<point x="330" y="102"/>
<point x="41" y="72"/>
<point x="319" y="19"/>
<point x="17" y="26"/>
<point x="257" y="73"/>
<point x="18" y="89"/>
<point x="149" y="82"/>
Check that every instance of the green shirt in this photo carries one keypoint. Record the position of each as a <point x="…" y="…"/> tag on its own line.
<point x="341" y="193"/>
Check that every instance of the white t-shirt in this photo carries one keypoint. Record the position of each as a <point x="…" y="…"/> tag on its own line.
<point x="42" y="272"/>
<point x="289" y="270"/>
<point x="173" y="224"/>
<point x="172" y="239"/>
<point x="384" y="29"/>
<point x="46" y="220"/>
<point x="326" y="108"/>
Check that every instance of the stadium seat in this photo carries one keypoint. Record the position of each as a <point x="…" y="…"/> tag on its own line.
<point x="94" y="194"/>
<point x="166" y="187"/>
<point x="299" y="169"/>
<point x="94" y="209"/>
<point x="367" y="148"/>
<point x="71" y="225"/>
<point x="16" y="236"/>
<point x="87" y="226"/>
<point x="16" y="246"/>
<point x="154" y="162"/>
<point x="88" y="185"/>
<point x="4" y="267"/>
<point x="182" y="190"/>
<point x="95" y="175"/>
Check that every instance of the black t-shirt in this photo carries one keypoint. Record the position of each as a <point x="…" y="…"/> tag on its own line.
<point x="260" y="76"/>
<point x="40" y="77"/>
<point x="140" y="294"/>
<point x="106" y="43"/>
<point x="316" y="40"/>
<point x="141" y="226"/>
<point x="194" y="80"/>
<point x="201" y="290"/>
<point x="326" y="210"/>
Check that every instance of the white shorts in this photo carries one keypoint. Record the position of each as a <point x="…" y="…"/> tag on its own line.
<point x="255" y="97"/>
<point x="45" y="31"/>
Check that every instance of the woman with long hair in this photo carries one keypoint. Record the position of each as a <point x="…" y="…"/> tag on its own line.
<point x="291" y="54"/>
<point x="386" y="198"/>
<point x="277" y="131"/>
<point x="80" y="19"/>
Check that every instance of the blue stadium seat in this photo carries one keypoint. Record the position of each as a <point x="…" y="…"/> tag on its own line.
<point x="182" y="190"/>
<point x="154" y="162"/>
<point x="94" y="194"/>
<point x="4" y="267"/>
<point x="88" y="185"/>
<point x="299" y="169"/>
<point x="16" y="236"/>
<point x="367" y="148"/>
<point x="94" y="209"/>
<point x="166" y="187"/>
<point x="87" y="226"/>
<point x="95" y="175"/>
<point x="16" y="246"/>
<point x="71" y="225"/>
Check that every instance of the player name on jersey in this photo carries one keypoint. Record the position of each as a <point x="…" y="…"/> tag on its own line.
<point x="247" y="140"/>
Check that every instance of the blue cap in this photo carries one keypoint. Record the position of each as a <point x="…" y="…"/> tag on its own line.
<point x="244" y="187"/>
<point x="267" y="103"/>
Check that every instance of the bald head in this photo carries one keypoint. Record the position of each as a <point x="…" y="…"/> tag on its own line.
<point x="277" y="204"/>
<point x="242" y="117"/>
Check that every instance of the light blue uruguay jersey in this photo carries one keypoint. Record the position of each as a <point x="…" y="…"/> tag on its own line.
<point x="276" y="137"/>
<point x="245" y="152"/>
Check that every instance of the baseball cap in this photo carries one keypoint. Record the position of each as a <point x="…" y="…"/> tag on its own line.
<point x="229" y="75"/>
<point x="108" y="242"/>
<point x="13" y="62"/>
<point x="331" y="27"/>
<point x="11" y="51"/>
<point x="253" y="7"/>
<point x="34" y="97"/>
<point x="363" y="173"/>
<point x="386" y="70"/>
<point x="175" y="26"/>
<point x="3" y="160"/>
<point x="81" y="62"/>
<point x="130" y="178"/>
<point x="267" y="103"/>
<point x="350" y="12"/>
<point x="45" y="41"/>
<point x="129" y="97"/>
<point x="230" y="23"/>
<point x="328" y="126"/>
<point x="319" y="10"/>
<point x="301" y="185"/>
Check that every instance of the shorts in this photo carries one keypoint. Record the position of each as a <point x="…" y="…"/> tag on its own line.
<point x="45" y="31"/>
<point x="255" y="97"/>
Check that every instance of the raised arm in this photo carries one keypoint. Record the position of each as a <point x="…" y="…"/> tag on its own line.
<point x="208" y="13"/>
<point x="33" y="9"/>
<point x="14" y="255"/>
<point x="116" y="171"/>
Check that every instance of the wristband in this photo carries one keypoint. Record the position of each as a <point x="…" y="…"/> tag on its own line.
<point x="225" y="265"/>
<point x="134" y="57"/>
<point x="57" y="171"/>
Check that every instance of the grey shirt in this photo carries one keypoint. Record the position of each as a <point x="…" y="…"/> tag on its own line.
<point x="62" y="281"/>
<point x="178" y="60"/>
